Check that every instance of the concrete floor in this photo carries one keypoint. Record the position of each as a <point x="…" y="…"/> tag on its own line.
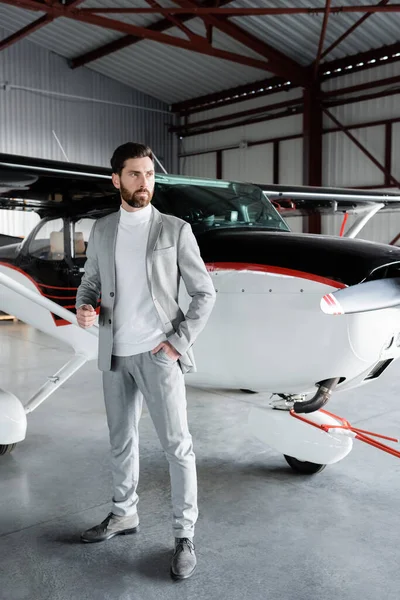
<point x="263" y="531"/>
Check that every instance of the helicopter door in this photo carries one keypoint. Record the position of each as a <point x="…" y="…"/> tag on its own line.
<point x="79" y="237"/>
<point x="46" y="258"/>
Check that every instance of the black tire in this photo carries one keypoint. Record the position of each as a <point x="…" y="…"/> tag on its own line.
<point x="305" y="467"/>
<point x="6" y="448"/>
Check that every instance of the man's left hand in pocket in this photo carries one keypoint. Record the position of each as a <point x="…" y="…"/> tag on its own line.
<point x="168" y="349"/>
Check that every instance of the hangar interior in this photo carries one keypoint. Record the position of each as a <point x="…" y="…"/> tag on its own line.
<point x="301" y="93"/>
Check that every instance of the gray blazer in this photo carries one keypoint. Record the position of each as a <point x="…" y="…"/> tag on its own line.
<point x="172" y="253"/>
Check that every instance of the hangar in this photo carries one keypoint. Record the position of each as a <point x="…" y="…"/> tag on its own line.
<point x="285" y="101"/>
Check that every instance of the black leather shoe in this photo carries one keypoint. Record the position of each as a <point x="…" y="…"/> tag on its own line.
<point x="111" y="526"/>
<point x="184" y="560"/>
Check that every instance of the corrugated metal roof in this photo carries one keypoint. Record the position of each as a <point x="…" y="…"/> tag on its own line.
<point x="165" y="72"/>
<point x="174" y="74"/>
<point x="298" y="35"/>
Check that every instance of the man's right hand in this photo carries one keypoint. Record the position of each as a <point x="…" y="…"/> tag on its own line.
<point x="86" y="316"/>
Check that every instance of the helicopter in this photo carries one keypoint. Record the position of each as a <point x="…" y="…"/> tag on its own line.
<point x="275" y="324"/>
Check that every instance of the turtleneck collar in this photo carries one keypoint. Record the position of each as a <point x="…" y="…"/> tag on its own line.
<point x="136" y="217"/>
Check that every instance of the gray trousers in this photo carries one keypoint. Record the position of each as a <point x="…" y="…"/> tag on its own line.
<point x="160" y="381"/>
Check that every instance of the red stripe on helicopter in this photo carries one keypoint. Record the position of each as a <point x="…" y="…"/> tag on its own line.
<point x="333" y="303"/>
<point x="56" y="287"/>
<point x="59" y="297"/>
<point x="329" y="301"/>
<point x="57" y="320"/>
<point x="227" y="266"/>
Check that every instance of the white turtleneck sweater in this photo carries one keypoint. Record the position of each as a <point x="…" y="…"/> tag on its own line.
<point x="137" y="326"/>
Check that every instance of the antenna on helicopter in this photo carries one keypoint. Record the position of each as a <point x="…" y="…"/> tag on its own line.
<point x="158" y="162"/>
<point x="59" y="143"/>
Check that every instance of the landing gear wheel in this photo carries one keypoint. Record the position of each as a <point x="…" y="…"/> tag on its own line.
<point x="305" y="467"/>
<point x="6" y="448"/>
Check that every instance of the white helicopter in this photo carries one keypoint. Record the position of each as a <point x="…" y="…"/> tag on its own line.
<point x="273" y="326"/>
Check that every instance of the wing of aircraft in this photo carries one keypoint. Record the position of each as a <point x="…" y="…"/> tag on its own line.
<point x="307" y="197"/>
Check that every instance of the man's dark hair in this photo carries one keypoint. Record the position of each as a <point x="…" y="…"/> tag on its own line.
<point x="127" y="151"/>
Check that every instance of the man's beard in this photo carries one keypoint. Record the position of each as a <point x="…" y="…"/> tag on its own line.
<point x="138" y="199"/>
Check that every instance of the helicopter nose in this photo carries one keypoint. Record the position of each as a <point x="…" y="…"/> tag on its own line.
<point x="330" y="305"/>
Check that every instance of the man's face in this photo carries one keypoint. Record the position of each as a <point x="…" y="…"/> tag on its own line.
<point x="136" y="182"/>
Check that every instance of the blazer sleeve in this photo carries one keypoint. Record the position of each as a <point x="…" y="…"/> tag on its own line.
<point x="90" y="287"/>
<point x="199" y="286"/>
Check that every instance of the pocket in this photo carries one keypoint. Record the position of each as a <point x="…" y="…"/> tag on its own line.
<point x="158" y="251"/>
<point x="163" y="357"/>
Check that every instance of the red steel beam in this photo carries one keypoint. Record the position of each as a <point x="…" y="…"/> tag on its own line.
<point x="176" y="22"/>
<point x="31" y="28"/>
<point x="240" y="12"/>
<point x="297" y="73"/>
<point x="388" y="151"/>
<point x="361" y="147"/>
<point x="362" y="86"/>
<point x="351" y="30"/>
<point x="312" y="147"/>
<point x="322" y="38"/>
<point x="276" y="162"/>
<point x="284" y="113"/>
<point x="25" y="31"/>
<point x="279" y="64"/>
<point x="232" y="95"/>
<point x="219" y="166"/>
<point x="193" y="9"/>
<point x="384" y="94"/>
<point x="312" y="136"/>
<point x="245" y="113"/>
<point x="201" y="47"/>
<point x="129" y="40"/>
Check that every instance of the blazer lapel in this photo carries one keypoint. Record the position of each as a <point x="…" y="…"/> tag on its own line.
<point x="110" y="242"/>
<point x="155" y="230"/>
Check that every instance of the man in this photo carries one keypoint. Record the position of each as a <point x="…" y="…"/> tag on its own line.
<point x="135" y="259"/>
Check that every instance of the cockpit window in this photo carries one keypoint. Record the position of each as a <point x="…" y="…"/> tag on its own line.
<point x="80" y="234"/>
<point x="208" y="204"/>
<point x="48" y="241"/>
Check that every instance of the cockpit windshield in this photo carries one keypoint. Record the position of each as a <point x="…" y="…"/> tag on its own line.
<point x="213" y="203"/>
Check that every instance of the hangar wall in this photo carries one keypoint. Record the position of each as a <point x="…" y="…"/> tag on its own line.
<point x="245" y="155"/>
<point x="343" y="163"/>
<point x="247" y="152"/>
<point x="88" y="130"/>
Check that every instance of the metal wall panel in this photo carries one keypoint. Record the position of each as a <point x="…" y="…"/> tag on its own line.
<point x="345" y="165"/>
<point x="396" y="151"/>
<point x="202" y="165"/>
<point x="295" y="222"/>
<point x="254" y="164"/>
<point x="18" y="223"/>
<point x="291" y="162"/>
<point x="88" y="131"/>
<point x="366" y="111"/>
<point x="246" y="133"/>
<point x="382" y="228"/>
